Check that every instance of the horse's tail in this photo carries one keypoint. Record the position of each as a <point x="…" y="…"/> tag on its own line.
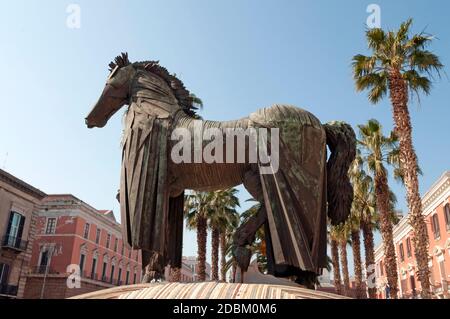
<point x="341" y="140"/>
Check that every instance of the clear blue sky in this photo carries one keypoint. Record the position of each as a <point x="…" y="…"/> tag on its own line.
<point x="236" y="55"/>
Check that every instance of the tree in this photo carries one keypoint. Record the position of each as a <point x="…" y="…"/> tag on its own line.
<point x="334" y="243"/>
<point x="401" y="64"/>
<point x="354" y="224"/>
<point x="223" y="218"/>
<point x="363" y="217"/>
<point x="197" y="209"/>
<point x="379" y="150"/>
<point x="340" y="234"/>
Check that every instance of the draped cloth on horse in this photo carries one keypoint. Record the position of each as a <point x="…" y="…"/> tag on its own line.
<point x="149" y="216"/>
<point x="295" y="196"/>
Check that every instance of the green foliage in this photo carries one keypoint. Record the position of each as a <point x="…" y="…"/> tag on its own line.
<point x="395" y="51"/>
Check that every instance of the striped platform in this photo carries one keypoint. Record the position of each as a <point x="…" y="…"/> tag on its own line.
<point x="207" y="290"/>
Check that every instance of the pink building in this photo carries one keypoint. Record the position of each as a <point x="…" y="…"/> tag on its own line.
<point x="191" y="263"/>
<point x="436" y="210"/>
<point x="73" y="237"/>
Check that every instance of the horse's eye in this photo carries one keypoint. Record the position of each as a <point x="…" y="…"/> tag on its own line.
<point x="113" y="72"/>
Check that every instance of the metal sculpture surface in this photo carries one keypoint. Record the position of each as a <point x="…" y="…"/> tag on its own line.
<point x="295" y="199"/>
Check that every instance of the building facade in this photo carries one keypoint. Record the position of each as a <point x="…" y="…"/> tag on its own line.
<point x="191" y="263"/>
<point x="436" y="210"/>
<point x="74" y="241"/>
<point x="18" y="202"/>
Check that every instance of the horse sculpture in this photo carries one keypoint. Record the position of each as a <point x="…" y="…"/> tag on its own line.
<point x="295" y="197"/>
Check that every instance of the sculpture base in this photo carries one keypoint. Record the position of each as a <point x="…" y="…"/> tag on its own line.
<point x="207" y="290"/>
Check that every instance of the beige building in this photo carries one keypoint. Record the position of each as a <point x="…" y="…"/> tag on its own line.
<point x="18" y="203"/>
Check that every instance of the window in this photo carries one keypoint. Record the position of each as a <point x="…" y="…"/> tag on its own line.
<point x="447" y="215"/>
<point x="15" y="229"/>
<point x="108" y="240"/>
<point x="97" y="236"/>
<point x="119" y="276"/>
<point x="51" y="226"/>
<point x="402" y="252"/>
<point x="127" y="277"/>
<point x="86" y="231"/>
<point x="82" y="260"/>
<point x="134" y="278"/>
<point x="408" y="247"/>
<point x="94" y="266"/>
<point x="105" y="265"/>
<point x="381" y="268"/>
<point x="435" y="226"/>
<point x="116" y="243"/>
<point x="43" y="261"/>
<point x="4" y="274"/>
<point x="112" y="273"/>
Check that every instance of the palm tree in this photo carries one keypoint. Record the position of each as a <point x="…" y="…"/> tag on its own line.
<point x="197" y="209"/>
<point x="334" y="243"/>
<point x="364" y="218"/>
<point x="380" y="149"/>
<point x="341" y="235"/>
<point x="354" y="224"/>
<point x="223" y="217"/>
<point x="402" y="64"/>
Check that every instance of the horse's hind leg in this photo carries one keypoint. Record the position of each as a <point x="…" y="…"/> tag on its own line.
<point x="153" y="267"/>
<point x="245" y="234"/>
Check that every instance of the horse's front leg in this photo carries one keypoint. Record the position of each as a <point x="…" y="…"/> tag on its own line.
<point x="153" y="267"/>
<point x="245" y="234"/>
<point x="244" y="237"/>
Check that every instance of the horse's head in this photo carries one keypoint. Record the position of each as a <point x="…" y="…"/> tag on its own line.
<point x="115" y="94"/>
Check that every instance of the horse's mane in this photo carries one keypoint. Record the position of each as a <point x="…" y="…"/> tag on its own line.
<point x="184" y="97"/>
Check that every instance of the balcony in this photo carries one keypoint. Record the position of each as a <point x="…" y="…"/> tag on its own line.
<point x="8" y="290"/>
<point x="14" y="243"/>
<point x="43" y="270"/>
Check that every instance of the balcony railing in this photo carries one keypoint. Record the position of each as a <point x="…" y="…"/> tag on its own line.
<point x="8" y="290"/>
<point x="43" y="269"/>
<point x="15" y="243"/>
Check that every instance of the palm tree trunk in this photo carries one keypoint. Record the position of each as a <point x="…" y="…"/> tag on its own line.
<point x="336" y="267"/>
<point x="408" y="160"/>
<point x="356" y="249"/>
<point x="344" y="263"/>
<point x="215" y="239"/>
<point x="175" y="274"/>
<point x="201" y="248"/>
<point x="223" y="261"/>
<point x="382" y="197"/>
<point x="370" y="258"/>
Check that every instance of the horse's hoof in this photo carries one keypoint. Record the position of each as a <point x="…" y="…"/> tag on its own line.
<point x="150" y="277"/>
<point x="307" y="280"/>
<point x="243" y="256"/>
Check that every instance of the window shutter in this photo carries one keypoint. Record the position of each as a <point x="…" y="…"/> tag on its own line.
<point x="21" y="225"/>
<point x="8" y="230"/>
<point x="447" y="213"/>
<point x="436" y="227"/>
<point x="432" y="225"/>
<point x="4" y="273"/>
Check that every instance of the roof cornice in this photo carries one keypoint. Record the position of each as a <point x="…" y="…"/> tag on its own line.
<point x="21" y="185"/>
